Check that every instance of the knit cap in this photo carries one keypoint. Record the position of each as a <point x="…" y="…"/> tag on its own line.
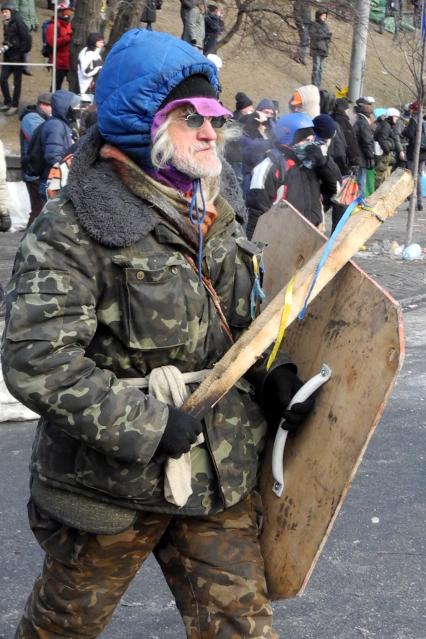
<point x="324" y="126"/>
<point x="242" y="101"/>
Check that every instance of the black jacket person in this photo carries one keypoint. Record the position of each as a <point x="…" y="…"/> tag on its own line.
<point x="295" y="171"/>
<point x="16" y="43"/>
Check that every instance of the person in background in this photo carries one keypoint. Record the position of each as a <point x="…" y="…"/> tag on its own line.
<point x="365" y="138"/>
<point x="268" y="108"/>
<point x="90" y="62"/>
<point x="306" y="99"/>
<point x="302" y="16"/>
<point x="192" y="13"/>
<point x="149" y="12"/>
<point x="255" y="141"/>
<point x="57" y="134"/>
<point x="16" y="43"/>
<point x="63" y="43"/>
<point x="320" y="43"/>
<point x="326" y="132"/>
<point x="393" y="9"/>
<point x="336" y="141"/>
<point x="341" y="116"/>
<point x="214" y="26"/>
<point x="409" y="134"/>
<point x="5" y="221"/>
<point x="387" y="138"/>
<point x="31" y="118"/>
<point x="293" y="171"/>
<point x="243" y="105"/>
<point x="28" y="11"/>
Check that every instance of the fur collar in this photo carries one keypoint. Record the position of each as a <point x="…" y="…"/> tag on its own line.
<point x="114" y="215"/>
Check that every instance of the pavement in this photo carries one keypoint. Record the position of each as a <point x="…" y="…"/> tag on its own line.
<point x="369" y="582"/>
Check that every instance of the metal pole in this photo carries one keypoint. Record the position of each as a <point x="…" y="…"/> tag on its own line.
<point x="359" y="49"/>
<point x="55" y="39"/>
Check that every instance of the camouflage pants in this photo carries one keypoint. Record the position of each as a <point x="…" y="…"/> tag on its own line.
<point x="384" y="168"/>
<point x="212" y="565"/>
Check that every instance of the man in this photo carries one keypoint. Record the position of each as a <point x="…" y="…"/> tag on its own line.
<point x="302" y="16"/>
<point x="149" y="12"/>
<point x="192" y="13"/>
<point x="28" y="12"/>
<point x="59" y="132"/>
<point x="140" y="269"/>
<point x="63" y="42"/>
<point x="243" y="105"/>
<point x="295" y="170"/>
<point x="31" y="118"/>
<point x="214" y="26"/>
<point x="16" y="43"/>
<point x="268" y="108"/>
<point x="365" y="138"/>
<point x="305" y="99"/>
<point x="387" y="138"/>
<point x="320" y="43"/>
<point x="393" y="9"/>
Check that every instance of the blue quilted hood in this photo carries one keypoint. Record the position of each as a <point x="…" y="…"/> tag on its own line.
<point x="137" y="76"/>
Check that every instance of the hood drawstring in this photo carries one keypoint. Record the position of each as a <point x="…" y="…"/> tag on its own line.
<point x="197" y="217"/>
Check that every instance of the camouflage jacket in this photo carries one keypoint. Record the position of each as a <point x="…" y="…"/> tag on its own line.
<point x="102" y="290"/>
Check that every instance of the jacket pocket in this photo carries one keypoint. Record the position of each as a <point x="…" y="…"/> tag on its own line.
<point x="154" y="308"/>
<point x="37" y="313"/>
<point x="117" y="479"/>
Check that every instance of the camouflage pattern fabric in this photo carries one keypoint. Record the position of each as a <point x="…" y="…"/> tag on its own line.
<point x="212" y="564"/>
<point x="384" y="166"/>
<point x="81" y="315"/>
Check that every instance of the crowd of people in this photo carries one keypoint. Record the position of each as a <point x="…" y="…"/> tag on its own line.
<point x="302" y="156"/>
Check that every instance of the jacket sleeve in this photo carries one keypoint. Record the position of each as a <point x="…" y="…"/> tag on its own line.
<point x="51" y="319"/>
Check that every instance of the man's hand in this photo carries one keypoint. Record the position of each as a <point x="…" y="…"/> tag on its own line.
<point x="279" y="388"/>
<point x="180" y="433"/>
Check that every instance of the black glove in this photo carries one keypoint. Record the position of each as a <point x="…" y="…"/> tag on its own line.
<point x="180" y="433"/>
<point x="370" y="163"/>
<point x="354" y="169"/>
<point x="315" y="154"/>
<point x="279" y="388"/>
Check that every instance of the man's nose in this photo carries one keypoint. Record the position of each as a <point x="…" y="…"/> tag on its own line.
<point x="206" y="131"/>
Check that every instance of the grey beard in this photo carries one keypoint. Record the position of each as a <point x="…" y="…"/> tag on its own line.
<point x="187" y="165"/>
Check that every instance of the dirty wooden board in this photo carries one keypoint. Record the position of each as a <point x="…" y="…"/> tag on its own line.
<point x="356" y="328"/>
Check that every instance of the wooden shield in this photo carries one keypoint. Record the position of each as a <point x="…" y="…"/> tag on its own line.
<point x="356" y="328"/>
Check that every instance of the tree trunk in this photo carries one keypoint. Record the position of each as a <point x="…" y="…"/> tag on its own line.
<point x="126" y="17"/>
<point x="87" y="19"/>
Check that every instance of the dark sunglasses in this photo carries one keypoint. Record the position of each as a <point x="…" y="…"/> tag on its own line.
<point x="196" y="121"/>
